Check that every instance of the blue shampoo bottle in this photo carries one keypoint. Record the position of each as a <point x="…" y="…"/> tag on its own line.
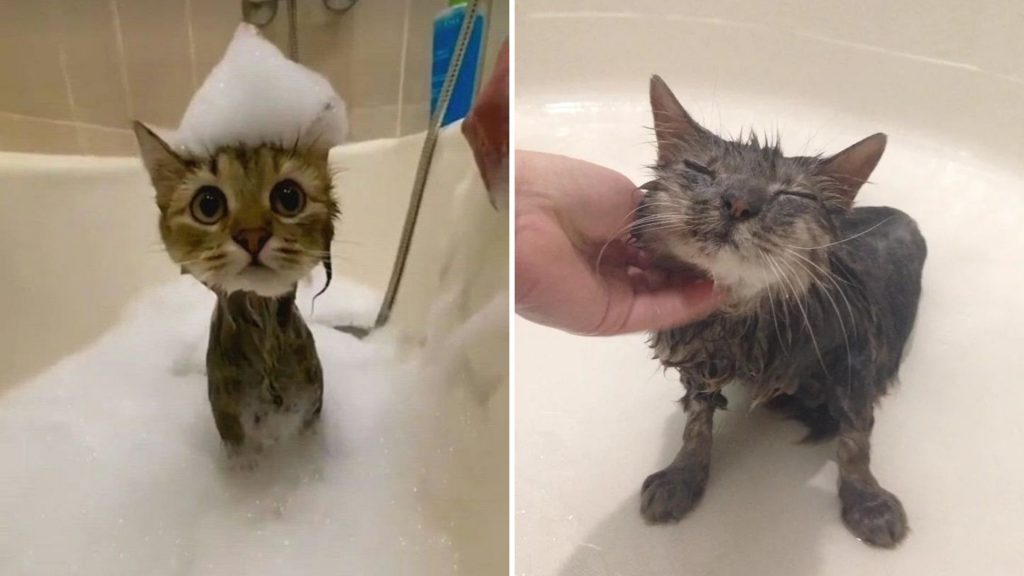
<point x="446" y="34"/>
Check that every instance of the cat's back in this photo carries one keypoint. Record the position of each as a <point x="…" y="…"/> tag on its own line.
<point x="882" y="252"/>
<point x="882" y="235"/>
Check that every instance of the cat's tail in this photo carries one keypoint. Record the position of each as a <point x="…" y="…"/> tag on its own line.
<point x="821" y="425"/>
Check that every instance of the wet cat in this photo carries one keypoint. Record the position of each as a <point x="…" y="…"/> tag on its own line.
<point x="820" y="299"/>
<point x="249" y="222"/>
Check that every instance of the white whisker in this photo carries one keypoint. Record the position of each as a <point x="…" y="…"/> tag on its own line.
<point x="771" y="299"/>
<point x="807" y="321"/>
<point x="835" y="307"/>
<point x="857" y="235"/>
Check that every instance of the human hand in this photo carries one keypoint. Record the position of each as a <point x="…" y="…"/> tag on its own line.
<point x="486" y="130"/>
<point x="570" y="214"/>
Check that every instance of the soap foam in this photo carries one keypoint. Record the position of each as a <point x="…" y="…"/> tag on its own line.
<point x="255" y="95"/>
<point x="114" y="465"/>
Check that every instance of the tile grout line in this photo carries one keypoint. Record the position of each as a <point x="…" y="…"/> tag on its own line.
<point x="71" y="123"/>
<point x="129" y="105"/>
<point x="191" y="44"/>
<point x="62" y="56"/>
<point x="401" y="68"/>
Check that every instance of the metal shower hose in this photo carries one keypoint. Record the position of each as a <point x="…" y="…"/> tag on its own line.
<point x="426" y="157"/>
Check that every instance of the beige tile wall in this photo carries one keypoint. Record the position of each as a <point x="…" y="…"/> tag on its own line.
<point x="73" y="73"/>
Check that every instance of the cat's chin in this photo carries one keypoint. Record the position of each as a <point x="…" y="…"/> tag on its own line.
<point x="730" y="276"/>
<point x="748" y="282"/>
<point x="743" y="279"/>
<point x="258" y="280"/>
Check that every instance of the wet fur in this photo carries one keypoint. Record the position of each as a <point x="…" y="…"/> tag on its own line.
<point x="821" y="301"/>
<point x="264" y="374"/>
<point x="265" y="378"/>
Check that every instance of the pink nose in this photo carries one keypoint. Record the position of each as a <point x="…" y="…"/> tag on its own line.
<point x="742" y="202"/>
<point x="737" y="207"/>
<point x="252" y="239"/>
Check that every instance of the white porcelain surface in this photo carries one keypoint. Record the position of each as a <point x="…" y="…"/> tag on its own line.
<point x="594" y="416"/>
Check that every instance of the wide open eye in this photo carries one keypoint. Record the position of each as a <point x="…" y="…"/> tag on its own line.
<point x="208" y="205"/>
<point x="287" y="198"/>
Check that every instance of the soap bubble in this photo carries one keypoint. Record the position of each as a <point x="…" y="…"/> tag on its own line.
<point x="255" y="96"/>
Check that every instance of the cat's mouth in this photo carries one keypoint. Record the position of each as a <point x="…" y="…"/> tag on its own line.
<point x="260" y="278"/>
<point x="257" y="269"/>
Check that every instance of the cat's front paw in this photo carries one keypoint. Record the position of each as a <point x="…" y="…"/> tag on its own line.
<point x="874" y="515"/>
<point x="669" y="494"/>
<point x="242" y="458"/>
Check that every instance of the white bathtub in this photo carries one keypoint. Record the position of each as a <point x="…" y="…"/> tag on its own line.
<point x="595" y="416"/>
<point x="411" y="469"/>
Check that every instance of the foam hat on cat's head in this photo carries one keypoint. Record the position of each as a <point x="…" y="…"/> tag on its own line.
<point x="255" y="95"/>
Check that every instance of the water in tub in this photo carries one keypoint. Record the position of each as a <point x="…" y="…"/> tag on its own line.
<point x="597" y="415"/>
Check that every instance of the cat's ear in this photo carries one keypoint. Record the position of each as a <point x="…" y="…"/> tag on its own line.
<point x="166" y="169"/>
<point x="852" y="167"/>
<point x="673" y="127"/>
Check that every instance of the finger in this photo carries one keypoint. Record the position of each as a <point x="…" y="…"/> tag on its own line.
<point x="656" y="279"/>
<point x="486" y="129"/>
<point x="671" y="306"/>
<point x="638" y="279"/>
<point x="638" y="257"/>
<point x="617" y="254"/>
<point x="600" y="204"/>
<point x="646" y="280"/>
<point x="594" y="204"/>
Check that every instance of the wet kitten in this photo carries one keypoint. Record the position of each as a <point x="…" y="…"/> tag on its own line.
<point x="249" y="223"/>
<point x="821" y="299"/>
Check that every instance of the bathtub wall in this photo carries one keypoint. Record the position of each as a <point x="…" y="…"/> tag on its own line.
<point x="982" y="34"/>
<point x="75" y="72"/>
<point x="947" y="69"/>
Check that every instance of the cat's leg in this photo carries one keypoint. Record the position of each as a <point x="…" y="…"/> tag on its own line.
<point x="872" y="513"/>
<point x="223" y="394"/>
<point x="313" y="415"/>
<point x="669" y="494"/>
<point x="229" y="425"/>
<point x="312" y="418"/>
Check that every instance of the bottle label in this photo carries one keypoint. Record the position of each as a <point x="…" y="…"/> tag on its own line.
<point x="446" y="34"/>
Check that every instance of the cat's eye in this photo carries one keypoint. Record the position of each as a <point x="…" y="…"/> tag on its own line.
<point x="699" y="168"/>
<point x="287" y="198"/>
<point x="208" y="205"/>
<point x="804" y="195"/>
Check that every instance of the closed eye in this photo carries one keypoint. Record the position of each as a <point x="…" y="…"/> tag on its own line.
<point x="699" y="168"/>
<point x="804" y="195"/>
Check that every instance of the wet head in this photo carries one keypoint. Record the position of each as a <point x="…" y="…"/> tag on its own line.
<point x="243" y="218"/>
<point x="740" y="211"/>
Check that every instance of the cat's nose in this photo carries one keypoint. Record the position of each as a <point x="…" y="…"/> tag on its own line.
<point x="252" y="239"/>
<point x="742" y="204"/>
